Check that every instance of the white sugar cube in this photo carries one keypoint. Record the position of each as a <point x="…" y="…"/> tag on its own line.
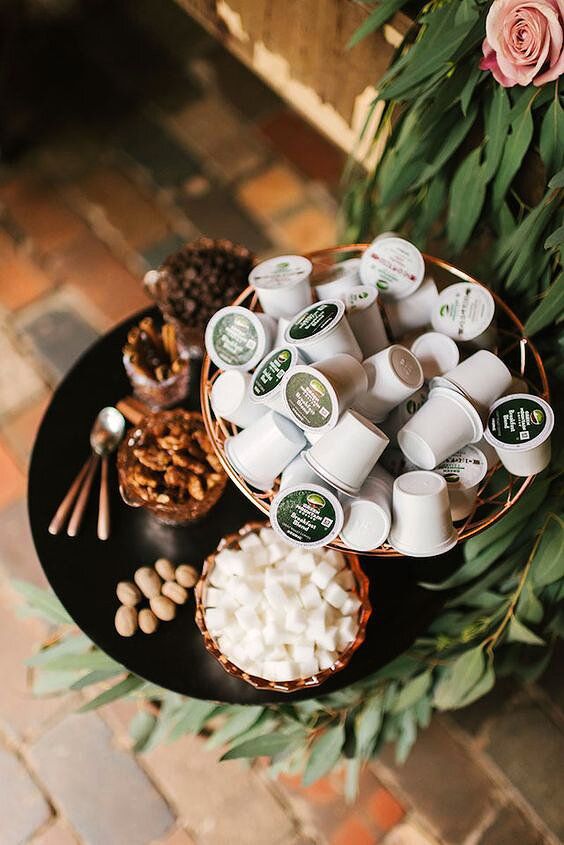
<point x="275" y="595"/>
<point x="273" y="634"/>
<point x="250" y="541"/>
<point x="310" y="597"/>
<point x="291" y="580"/>
<point x="322" y="574"/>
<point x="351" y="605"/>
<point x="333" y="557"/>
<point x="335" y="595"/>
<point x="345" y="579"/>
<point x="293" y="558"/>
<point x="247" y="618"/>
<point x="214" y="597"/>
<point x="217" y="619"/>
<point x="306" y="563"/>
<point x="245" y="594"/>
<point x="260" y="556"/>
<point x="225" y="559"/>
<point x="255" y="647"/>
<point x="302" y="652"/>
<point x="277" y="653"/>
<point x="219" y="577"/>
<point x="325" y="658"/>
<point x="346" y="632"/>
<point x="268" y="536"/>
<point x="308" y="668"/>
<point x="276" y="551"/>
<point x="280" y="670"/>
<point x="327" y="639"/>
<point x="296" y="619"/>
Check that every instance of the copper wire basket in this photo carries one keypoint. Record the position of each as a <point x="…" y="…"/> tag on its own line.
<point x="365" y="611"/>
<point x="499" y="491"/>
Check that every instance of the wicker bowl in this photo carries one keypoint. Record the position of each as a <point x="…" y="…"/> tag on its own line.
<point x="362" y="588"/>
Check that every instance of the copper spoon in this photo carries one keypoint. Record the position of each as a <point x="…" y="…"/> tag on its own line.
<point x="104" y="438"/>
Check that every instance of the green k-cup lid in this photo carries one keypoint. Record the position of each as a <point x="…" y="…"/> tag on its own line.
<point x="315" y="320"/>
<point x="519" y="422"/>
<point x="235" y="338"/>
<point x="307" y="515"/>
<point x="268" y="375"/>
<point x="310" y="398"/>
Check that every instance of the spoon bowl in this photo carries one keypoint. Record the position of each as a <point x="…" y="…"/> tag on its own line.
<point x="107" y="431"/>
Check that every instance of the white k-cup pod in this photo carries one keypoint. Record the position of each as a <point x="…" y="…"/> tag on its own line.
<point x="306" y="515"/>
<point x="322" y="330"/>
<point x="465" y="311"/>
<point x="414" y="312"/>
<point x="482" y="378"/>
<point x="344" y="456"/>
<point x="383" y="235"/>
<point x="282" y="284"/>
<point x="437" y="353"/>
<point x="488" y="452"/>
<point x="446" y="422"/>
<point x="231" y="401"/>
<point x="463" y="472"/>
<point x="298" y="472"/>
<point x="266" y="383"/>
<point x="316" y="395"/>
<point x="394" y="266"/>
<point x="421" y="521"/>
<point x="519" y="429"/>
<point x="368" y="517"/>
<point x="237" y="339"/>
<point x="260" y="452"/>
<point x="403" y="412"/>
<point x="335" y="283"/>
<point x="365" y="319"/>
<point x="393" y="375"/>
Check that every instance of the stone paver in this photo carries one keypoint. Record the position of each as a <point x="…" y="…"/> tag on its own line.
<point x="19" y="382"/>
<point x="13" y="480"/>
<point x="23" y="809"/>
<point x="101" y="789"/>
<point x="409" y="834"/>
<point x="17" y="552"/>
<point x="22" y="280"/>
<point x="271" y="192"/>
<point x="510" y="828"/>
<point x="308" y="229"/>
<point x="58" y="833"/>
<point x="19" y="430"/>
<point x="178" y="836"/>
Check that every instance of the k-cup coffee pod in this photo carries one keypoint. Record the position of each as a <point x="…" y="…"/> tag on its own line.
<point x="393" y="375"/>
<point x="404" y="411"/>
<point x="465" y="311"/>
<point x="519" y="429"/>
<point x="368" y="517"/>
<point x="322" y="330"/>
<point x="316" y="395"/>
<point x="463" y="472"/>
<point x="283" y="324"/>
<point x="482" y="378"/>
<point x="383" y="235"/>
<point x="365" y="319"/>
<point x="266" y="383"/>
<point x="488" y="452"/>
<point x="306" y="515"/>
<point x="394" y="266"/>
<point x="344" y="456"/>
<point x="282" y="284"/>
<point x="437" y="353"/>
<point x="230" y="399"/>
<point x="413" y="313"/>
<point x="446" y="422"/>
<point x="421" y="521"/>
<point x="260" y="452"/>
<point x="337" y="281"/>
<point x="237" y="339"/>
<point x="298" y="472"/>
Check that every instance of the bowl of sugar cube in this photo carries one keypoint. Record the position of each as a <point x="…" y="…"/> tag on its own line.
<point x="279" y="616"/>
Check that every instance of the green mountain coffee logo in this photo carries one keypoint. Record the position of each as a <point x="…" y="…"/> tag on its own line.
<point x="235" y="339"/>
<point x="537" y="417"/>
<point x="316" y="501"/>
<point x="382" y="285"/>
<point x="269" y="374"/>
<point x="306" y="516"/>
<point x="309" y="399"/>
<point x="317" y="387"/>
<point x="444" y="310"/>
<point x="517" y="420"/>
<point x="284" y="356"/>
<point x="281" y="266"/>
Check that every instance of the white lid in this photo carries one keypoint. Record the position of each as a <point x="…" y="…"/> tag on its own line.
<point x="283" y="271"/>
<point x="228" y="391"/>
<point x="406" y="366"/>
<point x="467" y="406"/>
<point x="437" y="353"/>
<point x="394" y="266"/>
<point x="310" y="398"/>
<point x="464" y="469"/>
<point x="235" y="338"/>
<point x="366" y="527"/>
<point x="314" y="321"/>
<point x="267" y="378"/>
<point x="463" y="311"/>
<point x="307" y="515"/>
<point x="519" y="422"/>
<point x="360" y="297"/>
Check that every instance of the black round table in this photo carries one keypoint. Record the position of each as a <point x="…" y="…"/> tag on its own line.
<point x="83" y="571"/>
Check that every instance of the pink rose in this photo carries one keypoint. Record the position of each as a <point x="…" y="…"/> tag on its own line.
<point x="523" y="41"/>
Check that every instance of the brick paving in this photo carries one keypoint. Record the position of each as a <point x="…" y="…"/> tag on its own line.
<point x="167" y="136"/>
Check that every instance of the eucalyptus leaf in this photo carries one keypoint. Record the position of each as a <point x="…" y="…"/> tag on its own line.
<point x="192" y="717"/>
<point x="367" y="725"/>
<point x="516" y="145"/>
<point x="377" y="18"/>
<point x="96" y="677"/>
<point x="120" y="690"/>
<point x="519" y="633"/>
<point x="557" y="180"/>
<point x="498" y="110"/>
<point x="529" y="607"/>
<point x="475" y="77"/>
<point x="407" y="736"/>
<point x="413" y="691"/>
<point x="140" y="729"/>
<point x="45" y="603"/>
<point x="548" y="562"/>
<point x="484" y="685"/>
<point x="325" y="753"/>
<point x="266" y="745"/>
<point x="449" y="146"/>
<point x="466" y="199"/>
<point x="555" y="239"/>
<point x="239" y="721"/>
<point x="551" y="141"/>
<point x="95" y="659"/>
<point x="459" y="679"/>
<point x="49" y="683"/>
<point x="70" y="645"/>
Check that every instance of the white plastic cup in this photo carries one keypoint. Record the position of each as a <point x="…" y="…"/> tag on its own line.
<point x="394" y="266"/>
<point x="519" y="429"/>
<point x="315" y="395"/>
<point x="368" y="517"/>
<point x="322" y="330"/>
<point x="465" y="311"/>
<point x="282" y="284"/>
<point x="403" y="412"/>
<point x="237" y="339"/>
<point x="482" y="378"/>
<point x="306" y="515"/>
<point x="446" y="422"/>
<point x="463" y="472"/>
<point x="421" y="521"/>
<point x="344" y="456"/>
<point x="383" y="235"/>
<point x="365" y="319"/>
<point x="231" y="401"/>
<point x="393" y="375"/>
<point x="283" y="324"/>
<point x="298" y="472"/>
<point x="266" y="383"/>
<point x="261" y="451"/>
<point x="437" y="353"/>
<point x="337" y="281"/>
<point x="413" y="312"/>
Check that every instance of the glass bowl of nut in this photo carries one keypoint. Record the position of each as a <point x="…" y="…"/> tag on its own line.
<point x="167" y="465"/>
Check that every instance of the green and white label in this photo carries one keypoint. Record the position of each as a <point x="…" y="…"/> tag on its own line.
<point x="360" y="298"/>
<point x="394" y="266"/>
<point x="309" y="399"/>
<point x="271" y="372"/>
<point x="235" y="339"/>
<point x="517" y="421"/>
<point x="465" y="468"/>
<point x="280" y="272"/>
<point x="306" y="516"/>
<point x="464" y="311"/>
<point x="313" y="321"/>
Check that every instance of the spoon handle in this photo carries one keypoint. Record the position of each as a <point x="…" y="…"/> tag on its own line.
<point x="78" y="512"/>
<point x="63" y="510"/>
<point x="104" y="503"/>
